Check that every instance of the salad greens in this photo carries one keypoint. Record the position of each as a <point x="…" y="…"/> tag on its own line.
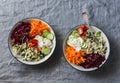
<point x="94" y="42"/>
<point x="36" y="45"/>
<point x="85" y="47"/>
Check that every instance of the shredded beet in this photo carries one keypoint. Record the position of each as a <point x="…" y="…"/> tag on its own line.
<point x="93" y="60"/>
<point x="21" y="33"/>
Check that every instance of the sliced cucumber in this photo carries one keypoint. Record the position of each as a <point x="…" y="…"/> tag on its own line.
<point x="47" y="42"/>
<point x="75" y="33"/>
<point x="71" y="42"/>
<point x="45" y="50"/>
<point x="45" y="33"/>
<point x="68" y="42"/>
<point x="84" y="45"/>
<point x="50" y="36"/>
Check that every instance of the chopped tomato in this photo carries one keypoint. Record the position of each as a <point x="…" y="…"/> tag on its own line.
<point x="84" y="33"/>
<point x="38" y="48"/>
<point x="84" y="38"/>
<point x="34" y="41"/>
<point x="31" y="45"/>
<point x="84" y="27"/>
<point x="80" y="30"/>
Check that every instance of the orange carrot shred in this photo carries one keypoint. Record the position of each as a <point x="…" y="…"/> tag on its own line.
<point x="37" y="27"/>
<point x="73" y="56"/>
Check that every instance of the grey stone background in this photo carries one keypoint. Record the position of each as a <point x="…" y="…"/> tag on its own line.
<point x="62" y="15"/>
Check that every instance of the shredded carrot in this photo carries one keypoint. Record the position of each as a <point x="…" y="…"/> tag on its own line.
<point x="73" y="56"/>
<point x="37" y="27"/>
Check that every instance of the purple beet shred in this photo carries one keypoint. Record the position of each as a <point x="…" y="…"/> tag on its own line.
<point x="21" y="33"/>
<point x="93" y="60"/>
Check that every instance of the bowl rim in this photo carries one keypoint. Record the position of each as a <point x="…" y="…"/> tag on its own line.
<point x="75" y="66"/>
<point x="32" y="63"/>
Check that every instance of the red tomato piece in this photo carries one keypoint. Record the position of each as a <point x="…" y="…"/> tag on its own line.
<point x="84" y="27"/>
<point x="80" y="30"/>
<point x="38" y="48"/>
<point x="31" y="45"/>
<point x="33" y="41"/>
<point x="84" y="38"/>
<point x="84" y="33"/>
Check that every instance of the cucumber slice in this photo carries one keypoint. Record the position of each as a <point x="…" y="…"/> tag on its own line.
<point x="45" y="50"/>
<point x="83" y="45"/>
<point x="88" y="34"/>
<point x="45" y="33"/>
<point x="47" y="42"/>
<point x="50" y="36"/>
<point x="68" y="42"/>
<point x="71" y="42"/>
<point x="75" y="33"/>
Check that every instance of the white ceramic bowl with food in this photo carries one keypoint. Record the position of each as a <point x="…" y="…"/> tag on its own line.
<point x="84" y="67"/>
<point x="30" y="45"/>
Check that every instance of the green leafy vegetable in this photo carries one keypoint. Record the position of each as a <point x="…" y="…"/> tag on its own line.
<point x="75" y="33"/>
<point x="97" y="33"/>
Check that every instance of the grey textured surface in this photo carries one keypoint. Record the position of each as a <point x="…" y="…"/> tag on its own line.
<point x="62" y="15"/>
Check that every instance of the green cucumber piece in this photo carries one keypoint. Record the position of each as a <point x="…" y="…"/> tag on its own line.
<point x="75" y="33"/>
<point x="97" y="33"/>
<point x="47" y="42"/>
<point x="68" y="42"/>
<point x="45" y="50"/>
<point x="45" y="33"/>
<point x="83" y="45"/>
<point x="50" y="36"/>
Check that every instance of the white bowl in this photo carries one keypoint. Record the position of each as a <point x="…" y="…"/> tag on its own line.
<point x="41" y="60"/>
<point x="106" y="55"/>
